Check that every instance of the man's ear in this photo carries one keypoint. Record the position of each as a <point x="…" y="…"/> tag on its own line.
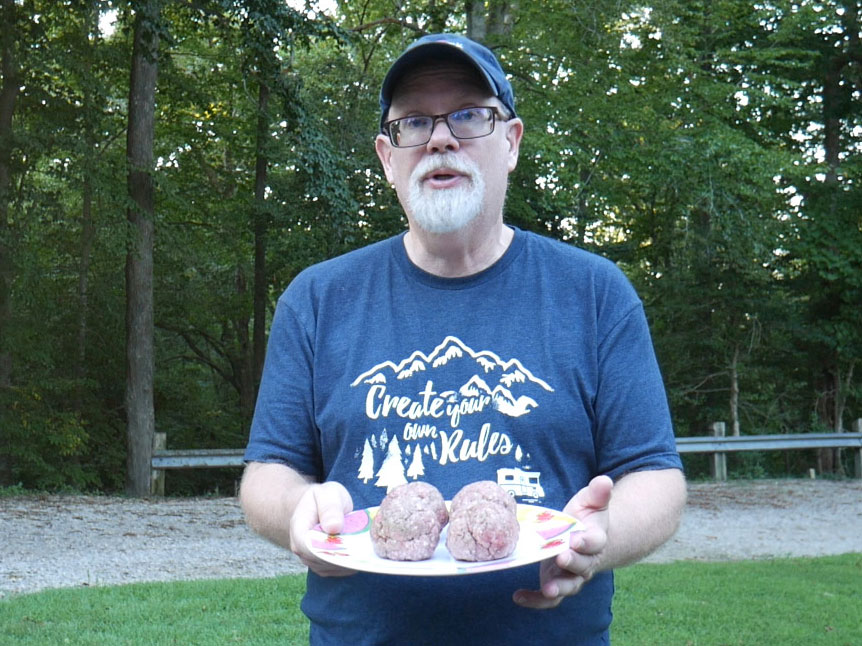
<point x="383" y="147"/>
<point x="514" y="133"/>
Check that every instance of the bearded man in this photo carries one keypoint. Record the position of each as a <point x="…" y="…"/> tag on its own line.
<point x="462" y="350"/>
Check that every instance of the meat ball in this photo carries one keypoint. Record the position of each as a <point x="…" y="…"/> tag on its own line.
<point x="422" y="495"/>
<point x="482" y="532"/>
<point x="483" y="523"/>
<point x="484" y="491"/>
<point x="408" y="523"/>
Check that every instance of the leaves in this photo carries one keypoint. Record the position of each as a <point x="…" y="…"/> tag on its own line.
<point x="695" y="144"/>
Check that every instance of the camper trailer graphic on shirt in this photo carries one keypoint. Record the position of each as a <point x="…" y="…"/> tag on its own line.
<point x="440" y="408"/>
<point x="519" y="483"/>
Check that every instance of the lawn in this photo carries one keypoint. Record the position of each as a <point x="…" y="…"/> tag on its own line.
<point x="751" y="603"/>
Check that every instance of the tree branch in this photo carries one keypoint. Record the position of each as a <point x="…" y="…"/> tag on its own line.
<point x="388" y="21"/>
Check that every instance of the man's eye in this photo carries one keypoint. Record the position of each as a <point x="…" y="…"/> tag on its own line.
<point x="470" y="114"/>
<point x="414" y="123"/>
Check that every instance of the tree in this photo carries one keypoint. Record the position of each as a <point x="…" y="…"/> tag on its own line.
<point x="9" y="84"/>
<point x="823" y="54"/>
<point x="139" y="259"/>
<point x="710" y="149"/>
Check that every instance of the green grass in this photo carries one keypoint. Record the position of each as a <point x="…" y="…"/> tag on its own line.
<point x="751" y="603"/>
<point x="193" y="613"/>
<point x="780" y="602"/>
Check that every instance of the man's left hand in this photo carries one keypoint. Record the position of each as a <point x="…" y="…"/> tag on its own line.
<point x="566" y="574"/>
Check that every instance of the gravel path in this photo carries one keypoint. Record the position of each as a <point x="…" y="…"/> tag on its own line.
<point x="62" y="541"/>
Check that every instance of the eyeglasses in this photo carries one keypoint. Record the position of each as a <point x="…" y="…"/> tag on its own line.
<point x="467" y="123"/>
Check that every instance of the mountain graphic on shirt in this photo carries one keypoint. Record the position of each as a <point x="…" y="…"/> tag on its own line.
<point x="507" y="382"/>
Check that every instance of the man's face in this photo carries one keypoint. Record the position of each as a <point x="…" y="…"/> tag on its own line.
<point x="447" y="183"/>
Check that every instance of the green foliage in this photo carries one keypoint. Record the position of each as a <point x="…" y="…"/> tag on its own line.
<point x="53" y="446"/>
<point x="711" y="149"/>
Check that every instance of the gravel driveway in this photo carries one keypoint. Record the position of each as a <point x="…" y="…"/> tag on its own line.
<point x="62" y="541"/>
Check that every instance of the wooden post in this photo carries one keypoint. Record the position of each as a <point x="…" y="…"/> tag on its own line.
<point x="157" y="476"/>
<point x="857" y="454"/>
<point x="718" y="461"/>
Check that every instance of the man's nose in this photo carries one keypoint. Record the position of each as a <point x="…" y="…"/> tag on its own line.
<point x="442" y="137"/>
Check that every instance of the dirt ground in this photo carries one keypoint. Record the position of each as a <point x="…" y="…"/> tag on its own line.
<point x="61" y="541"/>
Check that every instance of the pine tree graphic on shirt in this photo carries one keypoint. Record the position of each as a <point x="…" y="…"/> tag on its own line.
<point x="391" y="472"/>
<point x="417" y="468"/>
<point x="366" y="467"/>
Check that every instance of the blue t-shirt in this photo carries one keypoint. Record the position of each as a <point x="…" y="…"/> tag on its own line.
<point x="537" y="373"/>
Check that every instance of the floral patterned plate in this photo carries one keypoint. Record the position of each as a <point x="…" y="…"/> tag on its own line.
<point x="544" y="533"/>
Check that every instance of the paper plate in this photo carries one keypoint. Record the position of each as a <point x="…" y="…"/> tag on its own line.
<point x="544" y="533"/>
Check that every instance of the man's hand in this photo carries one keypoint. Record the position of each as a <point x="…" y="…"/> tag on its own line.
<point x="327" y="504"/>
<point x="644" y="512"/>
<point x="282" y="505"/>
<point x="566" y="574"/>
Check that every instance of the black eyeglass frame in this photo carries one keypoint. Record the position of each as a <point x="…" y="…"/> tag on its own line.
<point x="495" y="114"/>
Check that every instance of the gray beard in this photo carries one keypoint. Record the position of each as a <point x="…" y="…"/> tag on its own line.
<point x="446" y="210"/>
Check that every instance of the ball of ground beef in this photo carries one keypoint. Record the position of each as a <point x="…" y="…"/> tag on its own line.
<point x="422" y="495"/>
<point x="482" y="532"/>
<point x="408" y="523"/>
<point x="483" y="491"/>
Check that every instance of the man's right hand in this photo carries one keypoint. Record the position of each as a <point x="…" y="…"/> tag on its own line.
<point x="326" y="503"/>
<point x="283" y="505"/>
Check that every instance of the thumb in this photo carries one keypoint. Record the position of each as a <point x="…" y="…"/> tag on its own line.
<point x="597" y="494"/>
<point x="332" y="501"/>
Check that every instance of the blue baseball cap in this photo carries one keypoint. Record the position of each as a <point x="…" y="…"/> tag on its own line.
<point x="446" y="48"/>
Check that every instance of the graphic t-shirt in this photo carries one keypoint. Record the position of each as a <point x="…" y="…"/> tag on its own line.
<point x="537" y="373"/>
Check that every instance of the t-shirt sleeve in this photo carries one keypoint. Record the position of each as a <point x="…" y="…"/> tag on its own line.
<point x="634" y="430"/>
<point x="283" y="428"/>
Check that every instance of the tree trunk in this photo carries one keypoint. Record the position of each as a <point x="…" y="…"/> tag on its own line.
<point x="9" y="87"/>
<point x="140" y="417"/>
<point x="835" y="109"/>
<point x="495" y="21"/>
<point x="8" y="96"/>
<point x="734" y="393"/>
<point x="260" y="233"/>
<point x="242" y="362"/>
<point x="476" y="20"/>
<point x="500" y="18"/>
<point x="842" y="391"/>
<point x="88" y="233"/>
<point x="88" y="229"/>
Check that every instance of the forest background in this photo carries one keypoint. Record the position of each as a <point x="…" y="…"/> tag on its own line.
<point x="167" y="167"/>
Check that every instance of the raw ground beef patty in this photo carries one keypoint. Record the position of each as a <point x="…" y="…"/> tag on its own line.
<point x="408" y="523"/>
<point x="483" y="523"/>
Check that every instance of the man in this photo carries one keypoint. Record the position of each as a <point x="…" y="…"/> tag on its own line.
<point x="462" y="350"/>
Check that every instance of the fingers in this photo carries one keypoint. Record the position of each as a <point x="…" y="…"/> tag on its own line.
<point x="551" y="595"/>
<point x="327" y="504"/>
<point x="589" y="542"/>
<point x="536" y="600"/>
<point x="566" y="574"/>
<point x="557" y="585"/>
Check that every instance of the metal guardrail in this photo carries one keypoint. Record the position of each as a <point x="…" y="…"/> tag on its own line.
<point x="197" y="458"/>
<point x="768" y="442"/>
<point x="164" y="459"/>
<point x="214" y="458"/>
